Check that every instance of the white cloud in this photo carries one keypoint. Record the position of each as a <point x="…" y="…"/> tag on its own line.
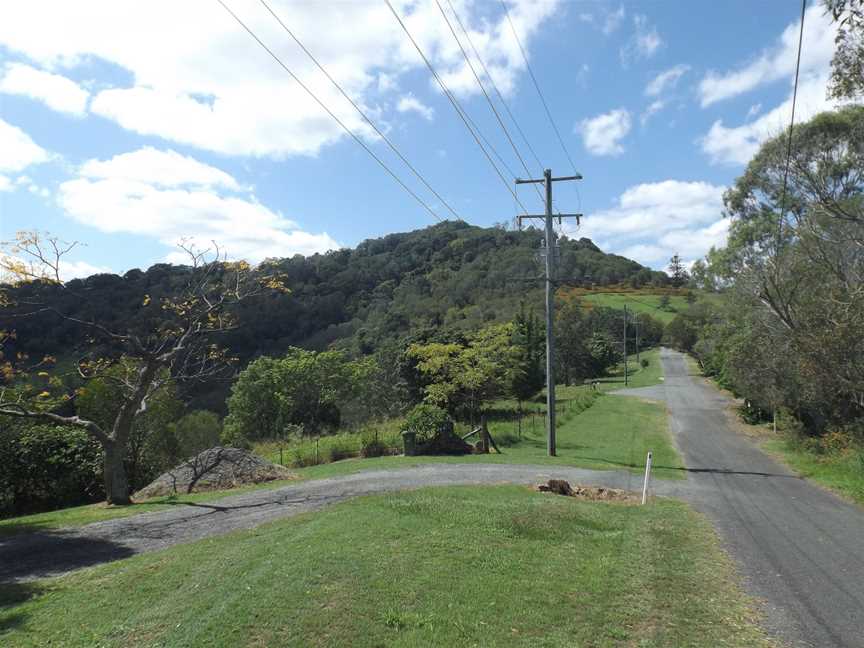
<point x="81" y="270"/>
<point x="410" y="103"/>
<point x="6" y="183"/>
<point x="666" y="79"/>
<point x="643" y="44"/>
<point x="17" y="150"/>
<point x="652" y="221"/>
<point x="164" y="168"/>
<point x="602" y="134"/>
<point x="651" y="110"/>
<point x="613" y="20"/>
<point x="738" y="144"/>
<point x="197" y="77"/>
<point x="55" y="91"/>
<point x="130" y="193"/>
<point x="778" y="61"/>
<point x="754" y="110"/>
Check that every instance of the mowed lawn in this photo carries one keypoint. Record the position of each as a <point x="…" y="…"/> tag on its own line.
<point x="459" y="566"/>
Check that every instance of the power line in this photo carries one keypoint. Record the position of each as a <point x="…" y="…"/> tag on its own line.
<point x="329" y="112"/>
<point x="483" y="89"/>
<point x="359" y="110"/>
<point x="501" y="98"/>
<point x="537" y="87"/>
<point x="495" y="86"/>
<point x="459" y="110"/>
<point x="791" y="125"/>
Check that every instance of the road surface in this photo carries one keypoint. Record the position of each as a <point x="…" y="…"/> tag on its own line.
<point x="800" y="548"/>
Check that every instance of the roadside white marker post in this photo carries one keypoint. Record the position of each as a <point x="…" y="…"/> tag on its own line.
<point x="647" y="475"/>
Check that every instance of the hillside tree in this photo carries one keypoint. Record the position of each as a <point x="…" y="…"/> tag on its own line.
<point x="172" y="339"/>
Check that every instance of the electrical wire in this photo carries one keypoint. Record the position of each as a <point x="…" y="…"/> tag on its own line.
<point x="791" y="126"/>
<point x="329" y="112"/>
<point x="485" y="94"/>
<point x="537" y="86"/>
<point x="495" y="86"/>
<point x="459" y="110"/>
<point x="359" y="110"/>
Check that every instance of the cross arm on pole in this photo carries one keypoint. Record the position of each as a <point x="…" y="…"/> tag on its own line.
<point x="578" y="176"/>
<point x="578" y="217"/>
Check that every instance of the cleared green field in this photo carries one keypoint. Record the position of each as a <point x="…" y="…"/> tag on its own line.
<point x="639" y="303"/>
<point x="466" y="566"/>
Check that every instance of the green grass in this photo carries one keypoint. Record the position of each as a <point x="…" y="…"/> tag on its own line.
<point x="467" y="566"/>
<point x="298" y="453"/>
<point x="616" y="432"/>
<point x="639" y="302"/>
<point x="842" y="472"/>
<point x="594" y="431"/>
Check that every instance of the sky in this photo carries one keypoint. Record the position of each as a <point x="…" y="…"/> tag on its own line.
<point x="129" y="126"/>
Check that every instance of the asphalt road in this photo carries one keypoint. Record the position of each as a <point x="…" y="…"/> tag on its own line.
<point x="799" y="548"/>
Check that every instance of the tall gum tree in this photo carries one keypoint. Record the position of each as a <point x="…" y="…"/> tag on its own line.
<point x="174" y="338"/>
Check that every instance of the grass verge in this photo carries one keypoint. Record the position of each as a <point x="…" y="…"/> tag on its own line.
<point x="842" y="472"/>
<point x="502" y="566"/>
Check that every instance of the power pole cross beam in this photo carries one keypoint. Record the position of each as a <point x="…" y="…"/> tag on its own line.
<point x="549" y="217"/>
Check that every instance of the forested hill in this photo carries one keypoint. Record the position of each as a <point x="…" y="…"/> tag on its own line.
<point x="448" y="277"/>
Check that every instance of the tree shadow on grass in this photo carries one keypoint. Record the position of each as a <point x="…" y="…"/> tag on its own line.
<point x="11" y="596"/>
<point x="36" y="553"/>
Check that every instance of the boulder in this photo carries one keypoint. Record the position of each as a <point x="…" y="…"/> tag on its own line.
<point x="215" y="469"/>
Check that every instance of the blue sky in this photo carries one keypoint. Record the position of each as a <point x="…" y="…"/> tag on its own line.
<point x="128" y="126"/>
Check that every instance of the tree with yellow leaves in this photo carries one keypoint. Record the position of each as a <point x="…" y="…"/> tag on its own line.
<point x="174" y="339"/>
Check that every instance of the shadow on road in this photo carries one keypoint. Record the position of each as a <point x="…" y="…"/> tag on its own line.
<point x="41" y="553"/>
<point x="717" y="471"/>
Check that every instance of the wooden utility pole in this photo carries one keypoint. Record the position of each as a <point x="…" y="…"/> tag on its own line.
<point x="547" y="180"/>
<point x="625" y="345"/>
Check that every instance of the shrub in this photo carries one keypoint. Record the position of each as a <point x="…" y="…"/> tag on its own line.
<point x="197" y="431"/>
<point x="44" y="467"/>
<point x="371" y="445"/>
<point x="232" y="437"/>
<point x="425" y="421"/>
<point x="644" y="362"/>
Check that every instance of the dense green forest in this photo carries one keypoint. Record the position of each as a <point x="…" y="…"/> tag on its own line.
<point x="440" y="281"/>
